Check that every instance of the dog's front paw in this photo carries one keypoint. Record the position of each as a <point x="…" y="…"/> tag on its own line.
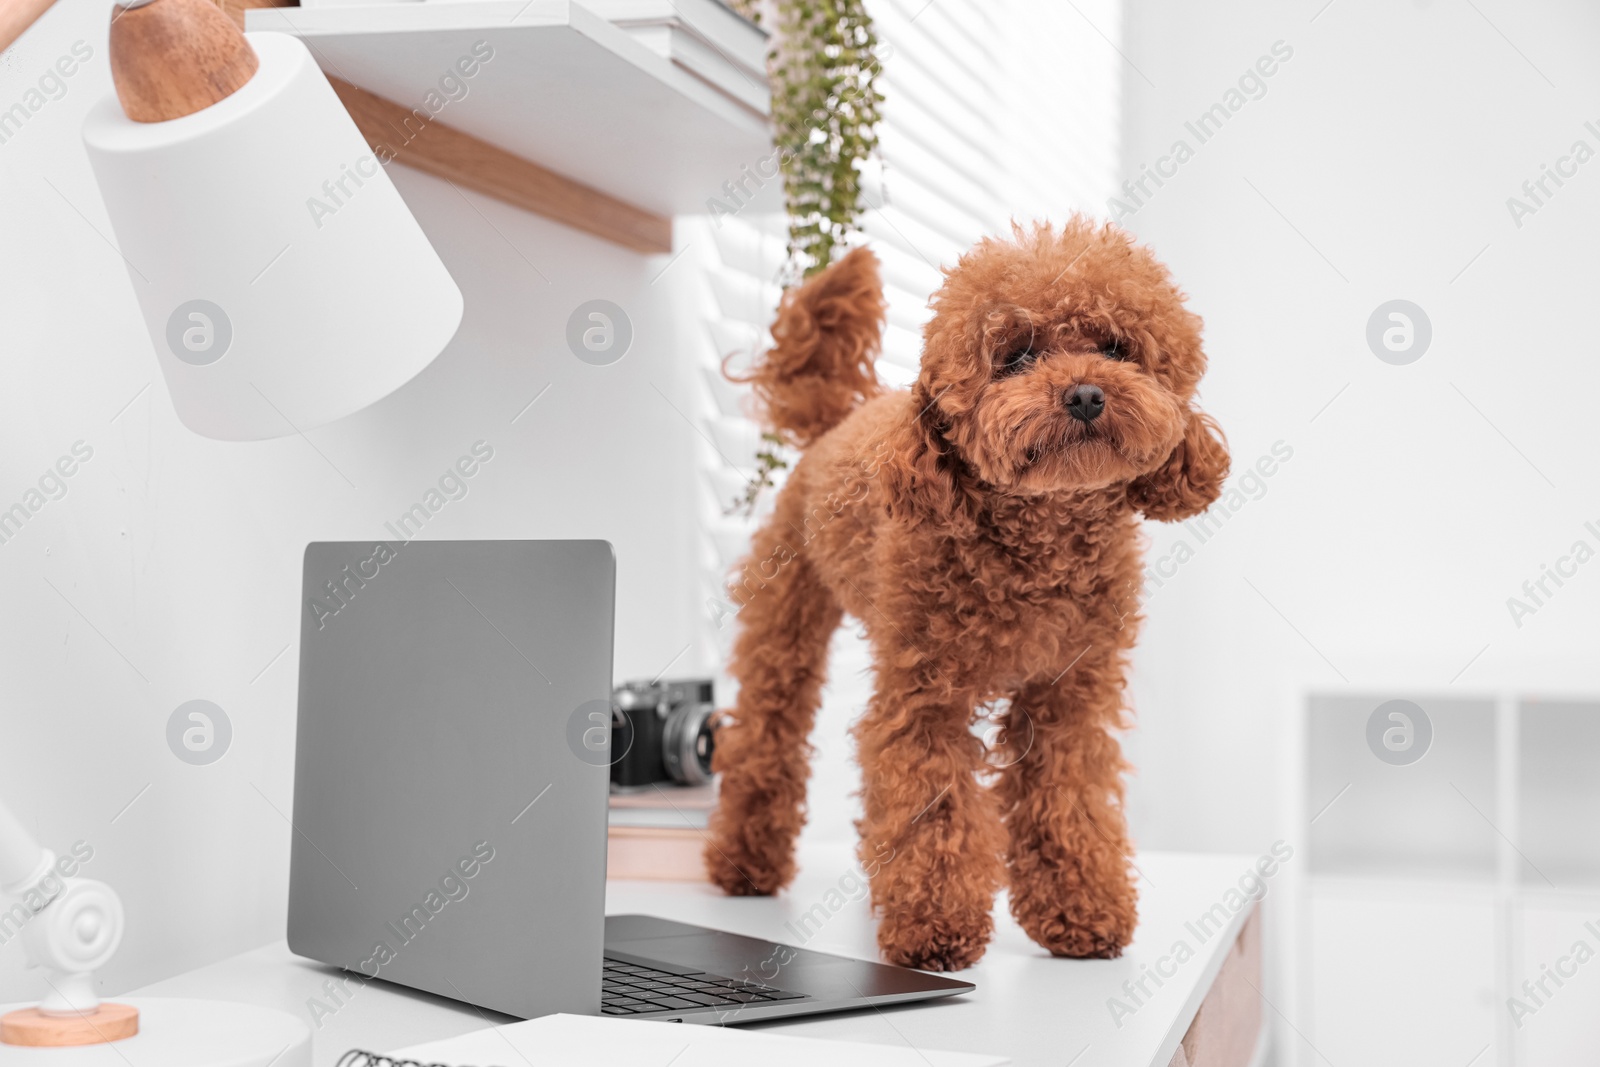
<point x="1099" y="937"/>
<point x="935" y="942"/>
<point x="747" y="861"/>
<point x="1075" y="918"/>
<point x="744" y="877"/>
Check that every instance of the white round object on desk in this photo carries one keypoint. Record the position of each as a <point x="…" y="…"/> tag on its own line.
<point x="283" y="280"/>
<point x="183" y="1033"/>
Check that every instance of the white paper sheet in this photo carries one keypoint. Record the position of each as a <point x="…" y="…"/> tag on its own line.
<point x="590" y="1041"/>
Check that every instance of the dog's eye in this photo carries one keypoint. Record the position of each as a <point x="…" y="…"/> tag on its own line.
<point x="1020" y="359"/>
<point x="1113" y="349"/>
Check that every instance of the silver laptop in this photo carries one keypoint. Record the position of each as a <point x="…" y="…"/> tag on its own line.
<point x="451" y="783"/>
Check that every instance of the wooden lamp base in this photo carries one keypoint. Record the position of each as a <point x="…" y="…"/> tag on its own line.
<point x="110" y="1022"/>
<point x="171" y="1032"/>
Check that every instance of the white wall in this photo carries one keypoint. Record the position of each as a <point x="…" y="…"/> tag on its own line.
<point x="170" y="569"/>
<point x="1376" y="166"/>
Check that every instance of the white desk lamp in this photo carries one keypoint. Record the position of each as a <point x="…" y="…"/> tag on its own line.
<point x="282" y="278"/>
<point x="73" y="927"/>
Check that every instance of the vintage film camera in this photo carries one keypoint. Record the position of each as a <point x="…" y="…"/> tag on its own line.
<point x="662" y="732"/>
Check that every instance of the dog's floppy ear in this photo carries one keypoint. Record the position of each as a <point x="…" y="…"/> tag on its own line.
<point x="921" y="473"/>
<point x="1191" y="478"/>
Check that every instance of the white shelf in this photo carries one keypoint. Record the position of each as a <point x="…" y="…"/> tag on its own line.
<point x="565" y="89"/>
<point x="1559" y="803"/>
<point x="1427" y="871"/>
<point x="1429" y="818"/>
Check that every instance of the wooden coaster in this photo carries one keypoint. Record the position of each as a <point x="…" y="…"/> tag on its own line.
<point x="110" y="1022"/>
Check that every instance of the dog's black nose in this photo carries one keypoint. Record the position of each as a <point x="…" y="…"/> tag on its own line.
<point x="1085" y="402"/>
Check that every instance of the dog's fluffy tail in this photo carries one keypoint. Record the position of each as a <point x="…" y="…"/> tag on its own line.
<point x="824" y="341"/>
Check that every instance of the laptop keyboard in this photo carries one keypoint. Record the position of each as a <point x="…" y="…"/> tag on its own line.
<point x="634" y="989"/>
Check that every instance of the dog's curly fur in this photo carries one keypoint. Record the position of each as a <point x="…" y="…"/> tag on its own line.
<point x="988" y="542"/>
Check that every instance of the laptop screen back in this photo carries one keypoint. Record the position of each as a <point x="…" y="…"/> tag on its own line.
<point x="451" y="767"/>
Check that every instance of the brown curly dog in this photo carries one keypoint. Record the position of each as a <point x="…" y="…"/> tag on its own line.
<point x="984" y="529"/>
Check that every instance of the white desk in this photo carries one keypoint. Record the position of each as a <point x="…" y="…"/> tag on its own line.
<point x="1036" y="1009"/>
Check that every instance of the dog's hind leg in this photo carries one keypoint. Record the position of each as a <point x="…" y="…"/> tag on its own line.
<point x="1069" y="856"/>
<point x="779" y="659"/>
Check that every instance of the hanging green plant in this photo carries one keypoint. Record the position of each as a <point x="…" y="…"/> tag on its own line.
<point x="823" y="69"/>
<point x="825" y="101"/>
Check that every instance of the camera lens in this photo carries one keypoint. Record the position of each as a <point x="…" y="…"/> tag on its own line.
<point x="687" y="741"/>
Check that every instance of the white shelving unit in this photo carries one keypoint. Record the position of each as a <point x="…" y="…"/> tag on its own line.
<point x="565" y="89"/>
<point x="1430" y="892"/>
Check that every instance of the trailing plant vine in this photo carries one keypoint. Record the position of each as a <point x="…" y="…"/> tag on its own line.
<point x="823" y="68"/>
<point x="770" y="458"/>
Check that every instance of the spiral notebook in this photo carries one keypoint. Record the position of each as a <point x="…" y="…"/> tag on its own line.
<point x="589" y="1041"/>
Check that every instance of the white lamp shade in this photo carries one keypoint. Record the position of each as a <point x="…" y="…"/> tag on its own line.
<point x="283" y="280"/>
